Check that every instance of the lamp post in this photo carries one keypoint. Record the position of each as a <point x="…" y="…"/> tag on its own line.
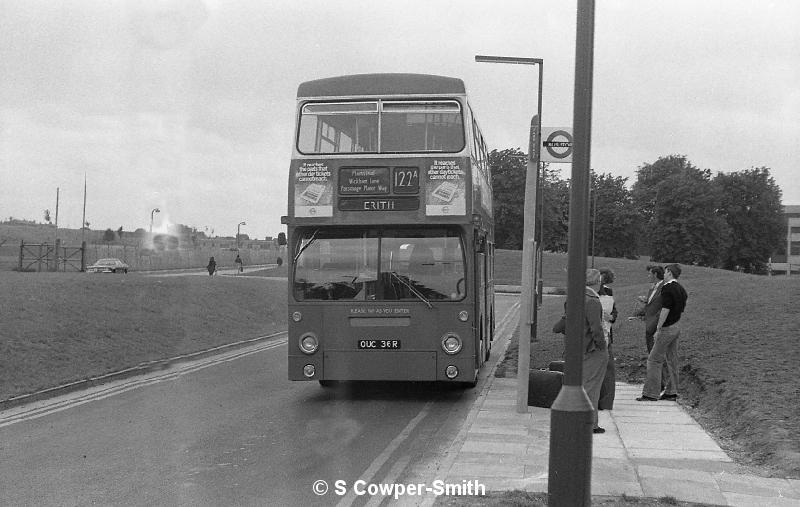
<point x="527" y="312"/>
<point x="155" y="210"/>
<point x="237" y="234"/>
<point x="571" y="415"/>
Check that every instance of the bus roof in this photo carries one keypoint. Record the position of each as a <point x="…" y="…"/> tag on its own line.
<point x="381" y="84"/>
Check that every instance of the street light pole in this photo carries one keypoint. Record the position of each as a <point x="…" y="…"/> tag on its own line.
<point x="527" y="312"/>
<point x="571" y="415"/>
<point x="237" y="234"/>
<point x="155" y="210"/>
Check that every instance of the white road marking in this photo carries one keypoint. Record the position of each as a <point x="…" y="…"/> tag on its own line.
<point x="114" y="388"/>
<point x="369" y="474"/>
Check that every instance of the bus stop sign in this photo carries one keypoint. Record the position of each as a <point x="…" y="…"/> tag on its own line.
<point x="557" y="144"/>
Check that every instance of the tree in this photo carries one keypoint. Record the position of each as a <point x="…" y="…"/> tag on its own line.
<point x="555" y="211"/>
<point x="508" y="189"/>
<point x="119" y="232"/>
<point x="750" y="203"/>
<point x="646" y="188"/>
<point x="613" y="217"/>
<point x="109" y="236"/>
<point x="686" y="226"/>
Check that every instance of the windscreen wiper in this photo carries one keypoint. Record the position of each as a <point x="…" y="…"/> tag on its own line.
<point x="303" y="248"/>
<point x="412" y="289"/>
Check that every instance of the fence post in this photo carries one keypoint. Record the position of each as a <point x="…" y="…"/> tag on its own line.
<point x="21" y="249"/>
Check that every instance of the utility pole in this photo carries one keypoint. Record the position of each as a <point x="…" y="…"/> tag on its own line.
<point x="83" y="219"/>
<point x="55" y="239"/>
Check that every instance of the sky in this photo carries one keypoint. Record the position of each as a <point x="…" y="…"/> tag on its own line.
<point x="188" y="106"/>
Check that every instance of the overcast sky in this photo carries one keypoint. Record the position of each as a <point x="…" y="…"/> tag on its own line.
<point x="188" y="105"/>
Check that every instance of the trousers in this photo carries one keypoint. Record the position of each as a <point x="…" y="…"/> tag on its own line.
<point x="663" y="354"/>
<point x="594" y="370"/>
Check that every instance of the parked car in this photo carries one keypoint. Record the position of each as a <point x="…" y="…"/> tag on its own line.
<point x="108" y="266"/>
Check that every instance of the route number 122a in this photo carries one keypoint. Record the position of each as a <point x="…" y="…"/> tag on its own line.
<point x="406" y="180"/>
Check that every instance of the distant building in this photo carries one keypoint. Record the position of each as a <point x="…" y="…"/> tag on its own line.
<point x="791" y="261"/>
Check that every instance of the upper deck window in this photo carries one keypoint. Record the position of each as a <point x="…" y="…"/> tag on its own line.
<point x="344" y="127"/>
<point x="405" y="127"/>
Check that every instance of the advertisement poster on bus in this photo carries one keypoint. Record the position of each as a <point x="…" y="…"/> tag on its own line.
<point x="313" y="190"/>
<point x="445" y="190"/>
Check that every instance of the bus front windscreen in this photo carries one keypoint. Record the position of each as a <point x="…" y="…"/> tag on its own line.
<point x="405" y="127"/>
<point x="379" y="265"/>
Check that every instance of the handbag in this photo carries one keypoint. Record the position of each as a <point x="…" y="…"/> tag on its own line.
<point x="561" y="325"/>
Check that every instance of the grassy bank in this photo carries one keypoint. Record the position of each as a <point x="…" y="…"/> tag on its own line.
<point x="738" y="354"/>
<point x="62" y="327"/>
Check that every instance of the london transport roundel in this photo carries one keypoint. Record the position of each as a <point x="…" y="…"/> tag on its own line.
<point x="556" y="144"/>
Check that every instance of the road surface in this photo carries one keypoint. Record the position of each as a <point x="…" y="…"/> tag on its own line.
<point x="229" y="430"/>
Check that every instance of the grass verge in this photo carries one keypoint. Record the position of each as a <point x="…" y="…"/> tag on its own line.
<point x="518" y="498"/>
<point x="63" y="327"/>
<point x="738" y="354"/>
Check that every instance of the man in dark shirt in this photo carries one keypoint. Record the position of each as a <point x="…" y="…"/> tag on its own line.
<point x="665" y="346"/>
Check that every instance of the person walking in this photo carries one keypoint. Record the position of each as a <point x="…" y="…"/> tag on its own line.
<point x="212" y="266"/>
<point x="665" y="339"/>
<point x="239" y="263"/>
<point x="608" y="387"/>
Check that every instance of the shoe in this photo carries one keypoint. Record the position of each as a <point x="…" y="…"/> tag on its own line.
<point x="646" y="398"/>
<point x="669" y="397"/>
<point x="598" y="430"/>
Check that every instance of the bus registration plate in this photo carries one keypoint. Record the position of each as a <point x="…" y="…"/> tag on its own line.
<point x="378" y="344"/>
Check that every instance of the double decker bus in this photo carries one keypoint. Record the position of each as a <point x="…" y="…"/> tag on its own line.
<point x="390" y="232"/>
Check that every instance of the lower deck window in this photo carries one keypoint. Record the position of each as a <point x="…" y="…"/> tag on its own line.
<point x="379" y="265"/>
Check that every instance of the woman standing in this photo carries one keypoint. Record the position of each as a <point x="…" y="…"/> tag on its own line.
<point x="608" y="389"/>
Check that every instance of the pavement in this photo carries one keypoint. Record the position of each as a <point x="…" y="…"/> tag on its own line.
<point x="649" y="449"/>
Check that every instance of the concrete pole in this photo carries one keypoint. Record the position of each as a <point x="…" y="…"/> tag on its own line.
<point x="527" y="306"/>
<point x="570" y="461"/>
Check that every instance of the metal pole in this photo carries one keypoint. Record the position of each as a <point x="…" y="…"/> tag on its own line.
<point x="55" y="239"/>
<point x="83" y="218"/>
<point x="237" y="236"/>
<point x="537" y="271"/>
<point x="570" y="461"/>
<point x="540" y="270"/>
<point x="594" y="218"/>
<point x="527" y="310"/>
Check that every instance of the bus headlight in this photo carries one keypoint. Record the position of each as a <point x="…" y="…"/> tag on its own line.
<point x="451" y="343"/>
<point x="451" y="372"/>
<point x="309" y="343"/>
<point x="297" y="316"/>
<point x="309" y="370"/>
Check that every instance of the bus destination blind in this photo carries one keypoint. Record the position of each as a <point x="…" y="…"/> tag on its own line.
<point x="373" y="189"/>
